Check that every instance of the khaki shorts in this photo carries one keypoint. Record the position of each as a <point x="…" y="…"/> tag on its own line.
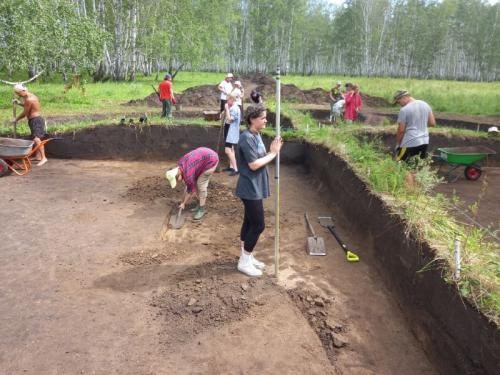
<point x="202" y="182"/>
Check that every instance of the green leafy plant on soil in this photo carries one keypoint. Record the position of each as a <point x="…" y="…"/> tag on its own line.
<point x="427" y="216"/>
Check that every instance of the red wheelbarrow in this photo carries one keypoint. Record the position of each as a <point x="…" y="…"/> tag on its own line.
<point x="15" y="155"/>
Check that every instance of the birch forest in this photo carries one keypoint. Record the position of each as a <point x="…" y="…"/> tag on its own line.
<point x="118" y="39"/>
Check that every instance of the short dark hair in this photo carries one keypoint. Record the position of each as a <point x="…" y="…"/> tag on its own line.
<point x="253" y="111"/>
<point x="168" y="76"/>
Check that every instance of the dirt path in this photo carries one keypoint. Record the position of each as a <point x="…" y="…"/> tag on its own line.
<point x="88" y="286"/>
<point x="482" y="193"/>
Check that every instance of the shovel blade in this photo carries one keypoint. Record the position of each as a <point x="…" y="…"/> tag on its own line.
<point x="325" y="221"/>
<point x="316" y="246"/>
<point x="177" y="218"/>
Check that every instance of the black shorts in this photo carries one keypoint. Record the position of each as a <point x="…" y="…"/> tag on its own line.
<point x="226" y="130"/>
<point x="404" y="153"/>
<point x="37" y="127"/>
<point x="223" y="105"/>
<point x="230" y="145"/>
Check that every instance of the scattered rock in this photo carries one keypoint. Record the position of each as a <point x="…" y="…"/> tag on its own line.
<point x="192" y="301"/>
<point x="198" y="281"/>
<point x="197" y="309"/>
<point x="319" y="302"/>
<point x="334" y="326"/>
<point x="338" y="343"/>
<point x="245" y="286"/>
<point x="311" y="311"/>
<point x="309" y="299"/>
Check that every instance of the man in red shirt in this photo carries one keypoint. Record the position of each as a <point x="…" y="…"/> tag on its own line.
<point x="166" y="96"/>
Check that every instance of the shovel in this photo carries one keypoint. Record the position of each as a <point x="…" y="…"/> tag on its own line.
<point x="327" y="222"/>
<point x="176" y="218"/>
<point x="315" y="245"/>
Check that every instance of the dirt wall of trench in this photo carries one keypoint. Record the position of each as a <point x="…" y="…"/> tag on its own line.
<point x="457" y="337"/>
<point x="155" y="142"/>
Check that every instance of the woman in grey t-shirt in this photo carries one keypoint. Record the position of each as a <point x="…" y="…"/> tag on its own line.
<point x="253" y="185"/>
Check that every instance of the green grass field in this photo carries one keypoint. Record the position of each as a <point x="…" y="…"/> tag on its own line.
<point x="472" y="98"/>
<point x="99" y="97"/>
<point x="468" y="98"/>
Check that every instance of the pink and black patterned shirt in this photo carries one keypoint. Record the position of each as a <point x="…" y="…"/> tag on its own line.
<point x="194" y="163"/>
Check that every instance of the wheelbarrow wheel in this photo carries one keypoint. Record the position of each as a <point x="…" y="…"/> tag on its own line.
<point x="4" y="168"/>
<point x="472" y="172"/>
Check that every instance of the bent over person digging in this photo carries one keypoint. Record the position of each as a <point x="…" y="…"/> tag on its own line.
<point x="253" y="185"/>
<point x="195" y="169"/>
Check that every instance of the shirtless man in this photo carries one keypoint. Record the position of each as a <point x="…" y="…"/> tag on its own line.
<point x="31" y="110"/>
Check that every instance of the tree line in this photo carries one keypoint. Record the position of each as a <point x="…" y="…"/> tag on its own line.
<point x="117" y="39"/>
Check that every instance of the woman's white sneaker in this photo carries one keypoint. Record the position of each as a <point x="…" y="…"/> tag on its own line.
<point x="257" y="263"/>
<point x="246" y="266"/>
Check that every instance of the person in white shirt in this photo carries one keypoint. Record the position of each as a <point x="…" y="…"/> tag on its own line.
<point x="238" y="92"/>
<point x="225" y="88"/>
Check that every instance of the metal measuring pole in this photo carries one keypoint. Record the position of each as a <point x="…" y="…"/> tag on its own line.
<point x="277" y="179"/>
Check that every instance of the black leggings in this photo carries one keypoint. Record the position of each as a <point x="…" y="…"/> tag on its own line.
<point x="253" y="223"/>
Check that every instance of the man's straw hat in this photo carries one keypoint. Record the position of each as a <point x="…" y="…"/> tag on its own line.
<point x="399" y="94"/>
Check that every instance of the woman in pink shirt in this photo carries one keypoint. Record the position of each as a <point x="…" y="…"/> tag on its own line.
<point x="353" y="103"/>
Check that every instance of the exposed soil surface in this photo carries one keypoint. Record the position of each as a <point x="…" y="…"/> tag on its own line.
<point x="87" y="285"/>
<point x="208" y="95"/>
<point x="482" y="194"/>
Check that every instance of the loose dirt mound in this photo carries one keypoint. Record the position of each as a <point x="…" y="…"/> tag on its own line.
<point x="145" y="257"/>
<point x="200" y="96"/>
<point x="151" y="188"/>
<point x="208" y="95"/>
<point x="374" y="101"/>
<point x="258" y="79"/>
<point x="151" y="100"/>
<point x="207" y="296"/>
<point x="315" y="310"/>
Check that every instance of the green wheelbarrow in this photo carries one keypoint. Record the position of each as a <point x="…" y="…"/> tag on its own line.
<point x="467" y="157"/>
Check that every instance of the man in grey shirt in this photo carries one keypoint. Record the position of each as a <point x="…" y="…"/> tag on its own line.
<point x="412" y="137"/>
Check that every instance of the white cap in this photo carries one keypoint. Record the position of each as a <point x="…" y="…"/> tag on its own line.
<point x="493" y="129"/>
<point x="229" y="75"/>
<point x="19" y="87"/>
<point x="237" y="83"/>
<point x="171" y="176"/>
<point x="339" y="83"/>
